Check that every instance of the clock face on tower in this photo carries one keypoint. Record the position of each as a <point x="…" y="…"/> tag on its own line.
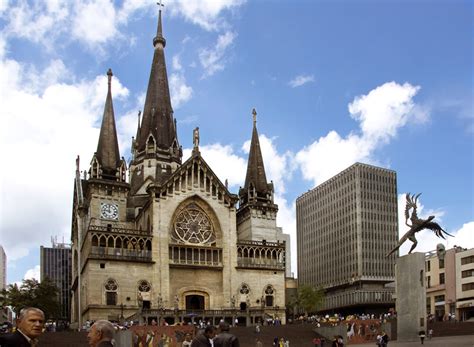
<point x="109" y="211"/>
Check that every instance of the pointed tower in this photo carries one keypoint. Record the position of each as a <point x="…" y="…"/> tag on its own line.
<point x="256" y="216"/>
<point x="106" y="163"/>
<point x="157" y="153"/>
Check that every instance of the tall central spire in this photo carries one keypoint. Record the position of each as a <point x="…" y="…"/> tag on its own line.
<point x="158" y="124"/>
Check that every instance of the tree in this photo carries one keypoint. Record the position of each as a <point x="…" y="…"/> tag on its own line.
<point x="310" y="298"/>
<point x="42" y="295"/>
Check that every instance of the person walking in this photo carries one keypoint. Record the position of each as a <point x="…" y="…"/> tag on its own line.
<point x="205" y="339"/>
<point x="225" y="338"/>
<point x="30" y="323"/>
<point x="422" y="335"/>
<point x="101" y="334"/>
<point x="384" y="339"/>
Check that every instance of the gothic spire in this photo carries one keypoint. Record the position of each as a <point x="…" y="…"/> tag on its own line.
<point x="256" y="189"/>
<point x="157" y="120"/>
<point x="107" y="154"/>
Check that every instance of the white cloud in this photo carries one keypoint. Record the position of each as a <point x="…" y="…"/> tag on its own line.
<point x="34" y="273"/>
<point x="300" y="80"/>
<point x="3" y="6"/>
<point x="205" y="13"/>
<point x="95" y="21"/>
<point x="179" y="90"/>
<point x="41" y="126"/>
<point x="213" y="59"/>
<point x="175" y="63"/>
<point x="380" y="113"/>
<point x="464" y="237"/>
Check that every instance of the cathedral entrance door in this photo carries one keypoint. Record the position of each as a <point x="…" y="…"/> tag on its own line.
<point x="194" y="302"/>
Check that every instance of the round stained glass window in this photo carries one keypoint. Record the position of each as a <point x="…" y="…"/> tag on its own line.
<point x="269" y="290"/>
<point x="192" y="225"/>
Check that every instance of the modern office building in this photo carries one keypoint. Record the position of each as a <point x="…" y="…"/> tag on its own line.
<point x="345" y="227"/>
<point x="55" y="263"/>
<point x="3" y="268"/>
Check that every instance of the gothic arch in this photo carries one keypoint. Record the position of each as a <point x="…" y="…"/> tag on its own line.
<point x="195" y="222"/>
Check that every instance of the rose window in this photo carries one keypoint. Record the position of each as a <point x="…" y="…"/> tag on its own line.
<point x="269" y="290"/>
<point x="192" y="225"/>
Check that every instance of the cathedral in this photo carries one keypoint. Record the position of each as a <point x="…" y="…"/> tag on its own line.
<point x="165" y="240"/>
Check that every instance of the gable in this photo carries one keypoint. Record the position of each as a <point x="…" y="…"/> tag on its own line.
<point x="195" y="173"/>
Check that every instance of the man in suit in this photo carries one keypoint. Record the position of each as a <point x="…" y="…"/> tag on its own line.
<point x="101" y="334"/>
<point x="205" y="339"/>
<point x="29" y="326"/>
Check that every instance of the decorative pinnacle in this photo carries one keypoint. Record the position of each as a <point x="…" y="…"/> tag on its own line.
<point x="109" y="77"/>
<point x="254" y="114"/>
<point x="159" y="32"/>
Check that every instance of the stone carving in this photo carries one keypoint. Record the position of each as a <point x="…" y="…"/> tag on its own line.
<point x="193" y="226"/>
<point x="417" y="224"/>
<point x="196" y="137"/>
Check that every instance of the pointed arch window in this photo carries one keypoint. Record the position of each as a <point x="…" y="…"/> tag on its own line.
<point x="111" y="288"/>
<point x="150" y="145"/>
<point x="269" y="293"/>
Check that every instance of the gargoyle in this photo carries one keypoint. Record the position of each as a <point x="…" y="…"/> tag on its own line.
<point x="417" y="224"/>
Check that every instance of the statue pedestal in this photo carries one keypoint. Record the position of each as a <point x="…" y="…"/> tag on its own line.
<point x="411" y="296"/>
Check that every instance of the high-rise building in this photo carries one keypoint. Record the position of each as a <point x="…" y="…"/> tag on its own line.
<point x="345" y="227"/>
<point x="56" y="264"/>
<point x="3" y="268"/>
<point x="173" y="240"/>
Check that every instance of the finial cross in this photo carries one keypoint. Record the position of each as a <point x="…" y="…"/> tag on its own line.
<point x="160" y="3"/>
<point x="254" y="114"/>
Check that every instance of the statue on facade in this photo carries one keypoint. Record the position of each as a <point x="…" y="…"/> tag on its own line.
<point x="176" y="302"/>
<point x="160" y="302"/>
<point x="196" y="137"/>
<point x="417" y="224"/>
<point x="232" y="301"/>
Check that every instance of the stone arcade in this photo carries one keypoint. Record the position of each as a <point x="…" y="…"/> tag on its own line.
<point x="173" y="243"/>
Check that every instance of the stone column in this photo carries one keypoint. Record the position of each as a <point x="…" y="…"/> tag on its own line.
<point x="411" y="296"/>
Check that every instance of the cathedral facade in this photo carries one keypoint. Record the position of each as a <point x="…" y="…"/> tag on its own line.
<point x="171" y="242"/>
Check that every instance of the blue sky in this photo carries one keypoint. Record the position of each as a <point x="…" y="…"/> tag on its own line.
<point x="388" y="83"/>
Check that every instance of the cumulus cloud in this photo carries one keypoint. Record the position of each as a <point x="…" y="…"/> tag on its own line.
<point x="44" y="124"/>
<point x="34" y="273"/>
<point x="180" y="91"/>
<point x="380" y="113"/>
<point x="95" y="22"/>
<point x="464" y="237"/>
<point x="300" y="80"/>
<point x="205" y="13"/>
<point x="214" y="59"/>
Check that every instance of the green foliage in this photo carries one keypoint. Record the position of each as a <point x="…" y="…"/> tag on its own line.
<point x="310" y="298"/>
<point x="42" y="295"/>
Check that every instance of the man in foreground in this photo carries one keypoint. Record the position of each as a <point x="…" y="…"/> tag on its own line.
<point x="225" y="338"/>
<point x="205" y="339"/>
<point x="29" y="326"/>
<point x="101" y="334"/>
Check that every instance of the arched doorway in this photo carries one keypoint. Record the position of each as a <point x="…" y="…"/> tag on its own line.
<point x="195" y="302"/>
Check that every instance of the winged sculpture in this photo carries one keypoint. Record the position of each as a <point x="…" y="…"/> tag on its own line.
<point x="417" y="224"/>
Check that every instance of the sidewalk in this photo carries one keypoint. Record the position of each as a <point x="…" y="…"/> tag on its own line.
<point x="465" y="341"/>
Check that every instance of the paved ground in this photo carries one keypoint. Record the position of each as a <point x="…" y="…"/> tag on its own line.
<point x="465" y="341"/>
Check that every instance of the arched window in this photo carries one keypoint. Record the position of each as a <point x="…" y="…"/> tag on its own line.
<point x="111" y="288"/>
<point x="269" y="291"/>
<point x="193" y="226"/>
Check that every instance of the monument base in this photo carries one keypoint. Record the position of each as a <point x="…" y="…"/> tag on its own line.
<point x="411" y="296"/>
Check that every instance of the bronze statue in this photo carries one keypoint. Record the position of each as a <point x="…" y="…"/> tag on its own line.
<point x="417" y="224"/>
